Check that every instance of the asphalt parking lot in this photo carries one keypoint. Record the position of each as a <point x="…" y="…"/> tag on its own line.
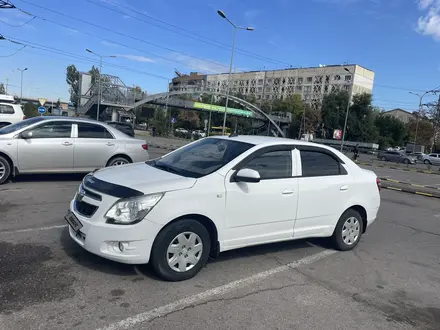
<point x="391" y="281"/>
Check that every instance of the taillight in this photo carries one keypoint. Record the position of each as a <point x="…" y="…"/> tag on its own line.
<point x="379" y="184"/>
<point x="24" y="117"/>
<point x="145" y="146"/>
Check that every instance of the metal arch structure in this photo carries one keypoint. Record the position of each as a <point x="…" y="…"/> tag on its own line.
<point x="247" y="105"/>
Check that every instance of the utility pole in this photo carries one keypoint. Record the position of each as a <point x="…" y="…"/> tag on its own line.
<point x="21" y="85"/>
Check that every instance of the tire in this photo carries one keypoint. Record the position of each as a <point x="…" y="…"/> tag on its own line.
<point x="5" y="170"/>
<point x="427" y="162"/>
<point x="383" y="159"/>
<point x="350" y="218"/>
<point x="183" y="230"/>
<point x="118" y="161"/>
<point x="406" y="161"/>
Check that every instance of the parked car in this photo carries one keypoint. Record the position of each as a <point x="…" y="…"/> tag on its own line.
<point x="124" y="127"/>
<point x="199" y="133"/>
<point x="396" y="156"/>
<point x="181" y="130"/>
<point x="10" y="114"/>
<point x="64" y="145"/>
<point x="218" y="194"/>
<point x="431" y="159"/>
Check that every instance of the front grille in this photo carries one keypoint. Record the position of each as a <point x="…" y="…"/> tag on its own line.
<point x="84" y="208"/>
<point x="91" y="194"/>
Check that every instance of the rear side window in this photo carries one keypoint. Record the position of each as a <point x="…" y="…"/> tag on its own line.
<point x="316" y="163"/>
<point x="6" y="109"/>
<point x="92" y="131"/>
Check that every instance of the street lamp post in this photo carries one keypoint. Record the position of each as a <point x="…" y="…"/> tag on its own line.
<point x="236" y="27"/>
<point x="418" y="115"/>
<point x="21" y="84"/>
<point x="346" y="112"/>
<point x="99" y="81"/>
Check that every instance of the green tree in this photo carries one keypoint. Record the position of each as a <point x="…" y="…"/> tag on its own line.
<point x="160" y="122"/>
<point x="360" y="124"/>
<point x="425" y="131"/>
<point x="392" y="131"/>
<point x="2" y="89"/>
<point x="30" y="110"/>
<point x="333" y="108"/>
<point x="72" y="79"/>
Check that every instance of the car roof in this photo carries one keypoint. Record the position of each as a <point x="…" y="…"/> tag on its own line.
<point x="268" y="140"/>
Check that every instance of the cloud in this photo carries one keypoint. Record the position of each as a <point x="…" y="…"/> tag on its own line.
<point x="109" y="44"/>
<point x="429" y="24"/>
<point x="207" y="66"/>
<point x="136" y="58"/>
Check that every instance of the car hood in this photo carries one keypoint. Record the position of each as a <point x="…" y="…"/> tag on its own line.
<point x="144" y="178"/>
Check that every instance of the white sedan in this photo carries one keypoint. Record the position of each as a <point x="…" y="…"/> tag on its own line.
<point x="219" y="194"/>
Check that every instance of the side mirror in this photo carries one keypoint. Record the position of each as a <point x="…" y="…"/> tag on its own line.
<point x="247" y="175"/>
<point x="26" y="135"/>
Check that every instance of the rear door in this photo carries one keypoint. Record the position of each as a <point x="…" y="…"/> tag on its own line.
<point x="94" y="146"/>
<point x="323" y="188"/>
<point x="49" y="150"/>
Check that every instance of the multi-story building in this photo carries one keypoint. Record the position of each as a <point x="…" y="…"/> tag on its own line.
<point x="311" y="83"/>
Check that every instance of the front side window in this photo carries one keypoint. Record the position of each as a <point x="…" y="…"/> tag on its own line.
<point x="92" y="131"/>
<point x="316" y="163"/>
<point x="6" y="109"/>
<point x="201" y="158"/>
<point x="52" y="130"/>
<point x="20" y="125"/>
<point x="272" y="165"/>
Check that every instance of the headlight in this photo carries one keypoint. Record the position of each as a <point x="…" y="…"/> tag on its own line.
<point x="132" y="210"/>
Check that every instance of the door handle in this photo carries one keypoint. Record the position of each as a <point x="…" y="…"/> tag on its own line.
<point x="344" y="188"/>
<point x="110" y="144"/>
<point x="67" y="144"/>
<point x="288" y="192"/>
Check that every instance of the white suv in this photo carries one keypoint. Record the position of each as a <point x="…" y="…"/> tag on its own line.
<point x="219" y="194"/>
<point x="10" y="114"/>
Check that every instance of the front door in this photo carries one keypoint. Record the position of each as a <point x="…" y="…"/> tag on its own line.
<point x="50" y="149"/>
<point x="264" y="211"/>
<point x="94" y="147"/>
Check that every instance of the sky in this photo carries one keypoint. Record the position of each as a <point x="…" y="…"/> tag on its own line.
<point x="398" y="39"/>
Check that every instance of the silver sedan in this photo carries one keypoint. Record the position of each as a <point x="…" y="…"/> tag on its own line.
<point x="65" y="145"/>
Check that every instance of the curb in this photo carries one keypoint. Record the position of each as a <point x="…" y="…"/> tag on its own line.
<point x="400" y="168"/>
<point x="420" y="193"/>
<point x="411" y="184"/>
<point x="159" y="146"/>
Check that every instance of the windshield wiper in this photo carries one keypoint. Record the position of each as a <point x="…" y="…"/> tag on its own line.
<point x="166" y="168"/>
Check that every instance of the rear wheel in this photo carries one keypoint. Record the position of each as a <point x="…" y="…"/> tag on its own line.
<point x="117" y="161"/>
<point x="348" y="231"/>
<point x="180" y="250"/>
<point x="5" y="170"/>
<point x="383" y="159"/>
<point x="406" y="161"/>
<point x="427" y="162"/>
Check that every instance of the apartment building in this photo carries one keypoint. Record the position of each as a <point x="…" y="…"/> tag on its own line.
<point x="311" y="83"/>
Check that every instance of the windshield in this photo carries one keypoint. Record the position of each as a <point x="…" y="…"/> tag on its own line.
<point x="201" y="158"/>
<point x="22" y="124"/>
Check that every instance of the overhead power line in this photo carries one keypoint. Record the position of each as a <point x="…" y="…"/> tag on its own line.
<point x="14" y="53"/>
<point x="118" y="33"/>
<point x="179" y="30"/>
<point x="20" y="25"/>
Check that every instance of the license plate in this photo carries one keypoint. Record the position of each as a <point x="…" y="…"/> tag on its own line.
<point x="73" y="221"/>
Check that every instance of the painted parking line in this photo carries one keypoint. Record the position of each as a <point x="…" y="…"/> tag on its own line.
<point x="218" y="291"/>
<point x="410" y="183"/>
<point x="32" y="229"/>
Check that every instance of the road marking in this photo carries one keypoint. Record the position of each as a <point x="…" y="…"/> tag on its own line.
<point x="32" y="229"/>
<point x="218" y="291"/>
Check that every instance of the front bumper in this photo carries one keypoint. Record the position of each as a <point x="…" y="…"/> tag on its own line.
<point x="103" y="239"/>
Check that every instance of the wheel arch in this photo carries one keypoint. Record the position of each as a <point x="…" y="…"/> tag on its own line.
<point x="119" y="155"/>
<point x="207" y="223"/>
<point x="363" y="212"/>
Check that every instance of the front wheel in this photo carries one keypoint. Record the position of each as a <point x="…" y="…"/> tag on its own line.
<point x="5" y="170"/>
<point x="348" y="230"/>
<point x="427" y="162"/>
<point x="180" y="250"/>
<point x="383" y="159"/>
